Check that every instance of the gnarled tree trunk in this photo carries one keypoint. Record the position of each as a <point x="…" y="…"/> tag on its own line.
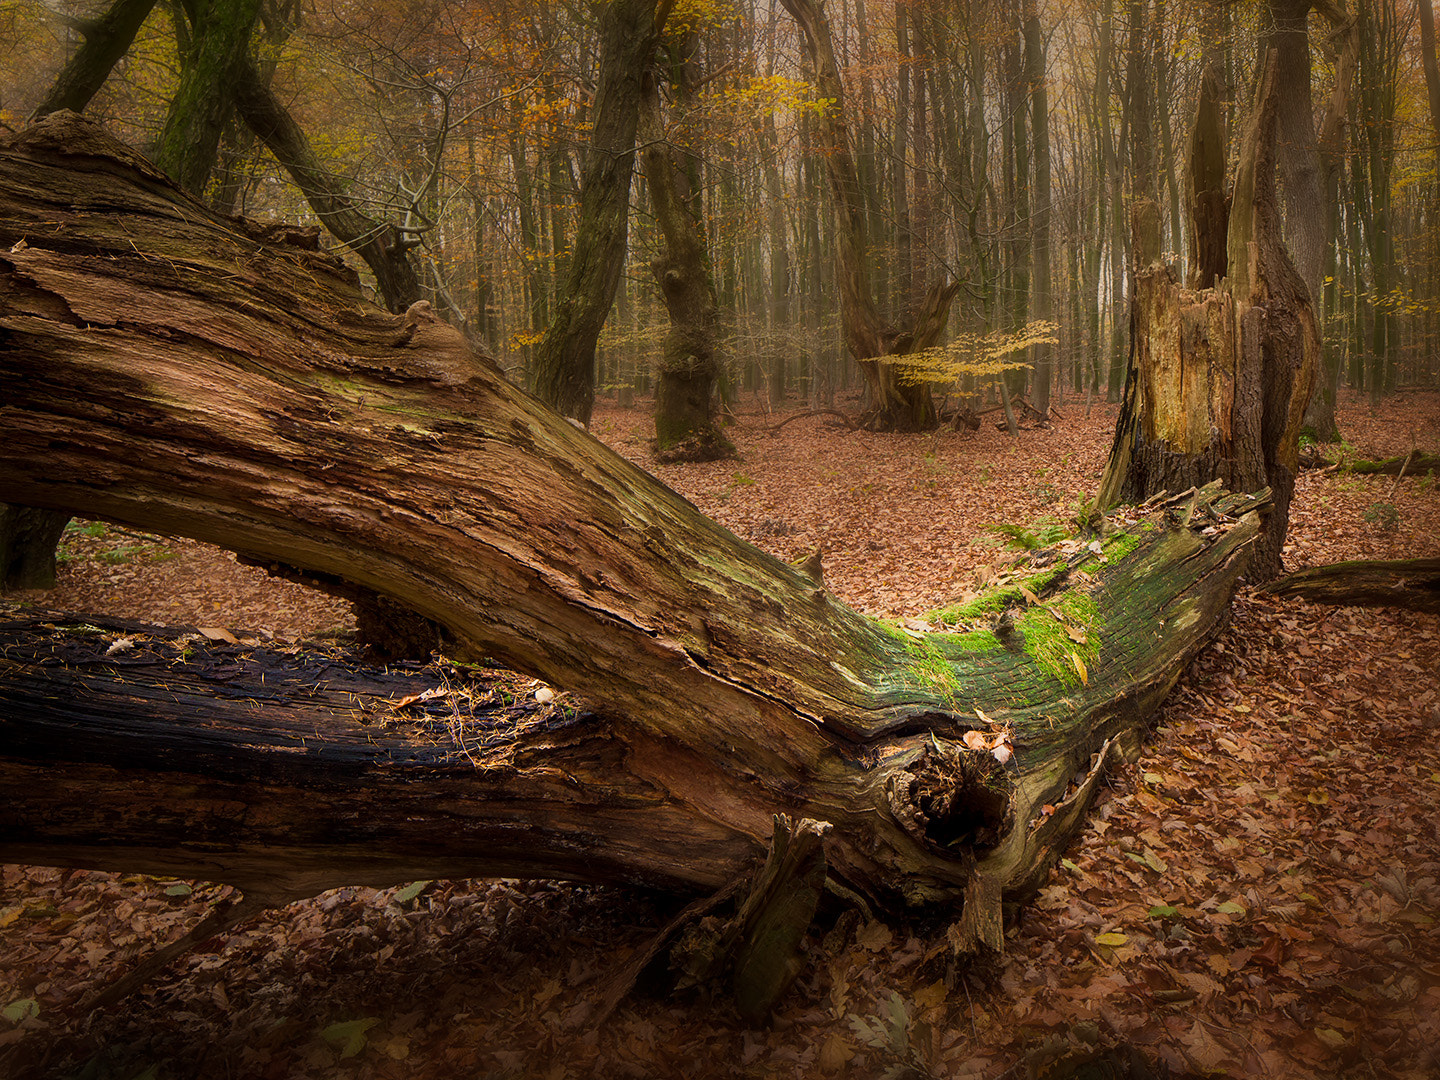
<point x="896" y="404"/>
<point x="173" y="369"/>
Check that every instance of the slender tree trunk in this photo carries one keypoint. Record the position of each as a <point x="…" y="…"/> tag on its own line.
<point x="105" y="41"/>
<point x="1016" y="153"/>
<point x="1320" y="415"/>
<point x="565" y="358"/>
<point x="685" y="426"/>
<point x="903" y="278"/>
<point x="1170" y="167"/>
<point x="1115" y="181"/>
<point x="384" y="248"/>
<point x="1042" y="356"/>
<point x="535" y="283"/>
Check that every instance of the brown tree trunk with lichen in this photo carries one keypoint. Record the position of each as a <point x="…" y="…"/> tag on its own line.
<point x="1219" y="377"/>
<point x="727" y="687"/>
<point x="685" y="427"/>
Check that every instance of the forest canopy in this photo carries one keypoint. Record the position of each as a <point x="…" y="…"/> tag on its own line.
<point x="1000" y="146"/>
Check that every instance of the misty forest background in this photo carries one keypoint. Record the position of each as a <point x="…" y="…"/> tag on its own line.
<point x="1000" y="143"/>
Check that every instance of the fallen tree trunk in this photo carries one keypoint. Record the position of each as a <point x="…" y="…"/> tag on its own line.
<point x="181" y="372"/>
<point x="1411" y="464"/>
<point x="1407" y="583"/>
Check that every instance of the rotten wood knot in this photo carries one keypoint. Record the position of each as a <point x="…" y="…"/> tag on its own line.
<point x="441" y="354"/>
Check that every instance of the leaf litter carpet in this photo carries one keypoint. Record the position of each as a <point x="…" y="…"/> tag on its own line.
<point x="1257" y="897"/>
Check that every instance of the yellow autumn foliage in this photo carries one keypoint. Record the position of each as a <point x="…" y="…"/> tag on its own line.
<point x="977" y="355"/>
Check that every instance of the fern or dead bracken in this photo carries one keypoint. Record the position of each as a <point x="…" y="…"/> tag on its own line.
<point x="1258" y="896"/>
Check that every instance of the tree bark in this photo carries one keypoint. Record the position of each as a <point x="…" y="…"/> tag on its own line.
<point x="170" y="368"/>
<point x="1043" y="306"/>
<point x="1205" y="170"/>
<point x="565" y="357"/>
<point x="1219" y="378"/>
<point x="1330" y="142"/>
<point x="27" y="546"/>
<point x="685" y="427"/>
<point x="220" y="46"/>
<point x="107" y="39"/>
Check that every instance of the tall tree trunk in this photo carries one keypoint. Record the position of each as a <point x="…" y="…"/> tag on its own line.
<point x="1302" y="172"/>
<point x="1015" y="143"/>
<point x="1114" y="159"/>
<point x="378" y="450"/>
<point x="220" y="48"/>
<point x="1320" y="415"/>
<point x="1431" y="67"/>
<point x="896" y="404"/>
<point x="902" y="280"/>
<point x="1379" y="58"/>
<point x="1169" y="167"/>
<point x="1042" y="356"/>
<point x="685" y="426"/>
<point x="781" y="274"/>
<point x="537" y="294"/>
<point x="565" y="358"/>
<point x="1219" y="378"/>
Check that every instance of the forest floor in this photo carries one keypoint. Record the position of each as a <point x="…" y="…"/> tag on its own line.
<point x="1257" y="896"/>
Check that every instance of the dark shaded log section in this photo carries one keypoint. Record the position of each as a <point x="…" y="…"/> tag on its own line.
<point x="185" y="373"/>
<point x="288" y="772"/>
<point x="1407" y="583"/>
<point x="1409" y="465"/>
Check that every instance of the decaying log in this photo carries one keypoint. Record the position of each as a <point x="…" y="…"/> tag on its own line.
<point x="164" y="367"/>
<point x="1407" y="583"/>
<point x="1411" y="464"/>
